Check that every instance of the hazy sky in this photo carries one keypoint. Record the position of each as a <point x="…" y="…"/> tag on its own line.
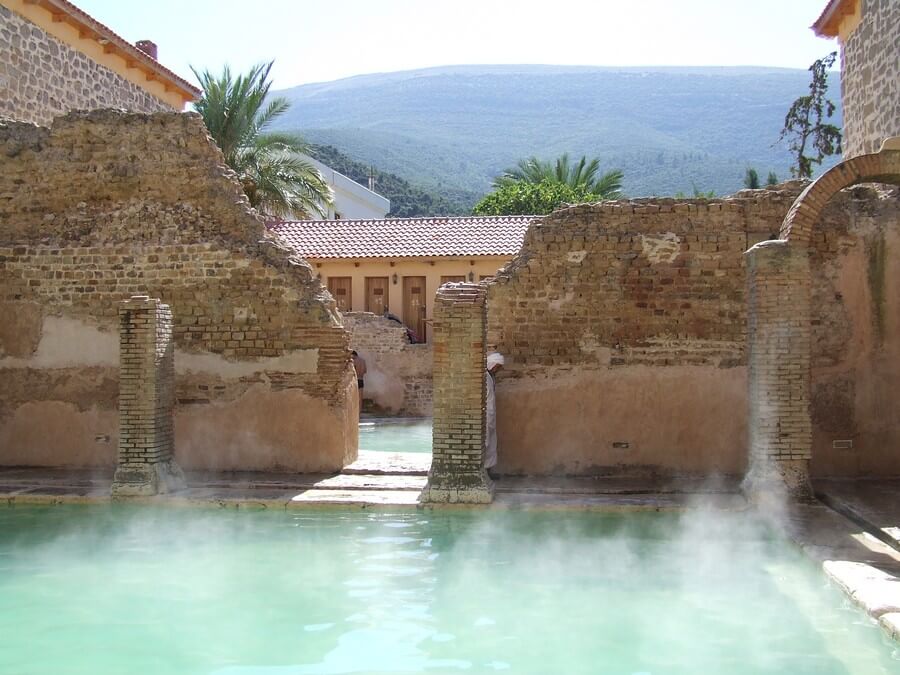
<point x="320" y="40"/>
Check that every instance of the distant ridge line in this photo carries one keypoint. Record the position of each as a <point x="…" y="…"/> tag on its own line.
<point x="537" y="68"/>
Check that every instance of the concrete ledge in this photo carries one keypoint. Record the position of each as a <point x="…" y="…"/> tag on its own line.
<point x="23" y="486"/>
<point x="872" y="589"/>
<point x="891" y="624"/>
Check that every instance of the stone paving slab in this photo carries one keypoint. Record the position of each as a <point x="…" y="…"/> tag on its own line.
<point x="403" y="463"/>
<point x="874" y="502"/>
<point x="866" y="569"/>
<point x="827" y="535"/>
<point x="252" y="480"/>
<point x="373" y="482"/>
<point x="364" y="498"/>
<point x="611" y="500"/>
<point x="380" y="488"/>
<point x="701" y="488"/>
<point x="873" y="589"/>
<point x="891" y="624"/>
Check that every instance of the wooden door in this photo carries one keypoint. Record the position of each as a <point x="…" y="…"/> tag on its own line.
<point x="445" y="280"/>
<point x="414" y="305"/>
<point x="376" y="294"/>
<point x="341" y="289"/>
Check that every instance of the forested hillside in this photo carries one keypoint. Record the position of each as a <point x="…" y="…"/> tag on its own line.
<point x="449" y="131"/>
<point x="406" y="200"/>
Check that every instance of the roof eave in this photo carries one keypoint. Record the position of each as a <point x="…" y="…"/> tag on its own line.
<point x="436" y="256"/>
<point x="112" y="43"/>
<point x="830" y="19"/>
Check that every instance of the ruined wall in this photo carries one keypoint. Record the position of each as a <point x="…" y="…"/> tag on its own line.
<point x="624" y="327"/>
<point x="398" y="374"/>
<point x="870" y="78"/>
<point x="42" y="77"/>
<point x="105" y="205"/>
<point x="855" y="263"/>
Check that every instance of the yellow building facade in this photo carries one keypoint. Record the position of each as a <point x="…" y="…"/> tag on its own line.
<point x="405" y="287"/>
<point x="397" y="265"/>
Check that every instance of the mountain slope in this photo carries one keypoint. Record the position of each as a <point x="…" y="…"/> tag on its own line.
<point x="407" y="201"/>
<point x="456" y="128"/>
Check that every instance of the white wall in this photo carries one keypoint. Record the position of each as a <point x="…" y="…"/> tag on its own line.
<point x="351" y="200"/>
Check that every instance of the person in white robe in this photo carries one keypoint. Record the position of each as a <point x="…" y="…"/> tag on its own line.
<point x="495" y="362"/>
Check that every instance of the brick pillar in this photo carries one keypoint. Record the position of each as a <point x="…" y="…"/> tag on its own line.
<point x="146" y="465"/>
<point x="457" y="467"/>
<point x="778" y="322"/>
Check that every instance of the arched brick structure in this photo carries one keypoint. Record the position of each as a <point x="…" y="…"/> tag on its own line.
<point x="880" y="167"/>
<point x="778" y="329"/>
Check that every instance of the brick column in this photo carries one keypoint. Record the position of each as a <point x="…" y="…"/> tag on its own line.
<point x="146" y="400"/>
<point x="778" y="322"/>
<point x="457" y="467"/>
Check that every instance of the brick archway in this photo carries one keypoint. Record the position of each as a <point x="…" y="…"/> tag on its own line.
<point x="779" y="329"/>
<point x="880" y="167"/>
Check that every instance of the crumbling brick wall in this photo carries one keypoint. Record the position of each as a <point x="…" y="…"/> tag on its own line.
<point x="398" y="378"/>
<point x="105" y="205"/>
<point x="624" y="327"/>
<point x="42" y="77"/>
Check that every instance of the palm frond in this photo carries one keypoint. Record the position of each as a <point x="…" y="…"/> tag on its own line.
<point x="580" y="176"/>
<point x="608" y="186"/>
<point x="236" y="110"/>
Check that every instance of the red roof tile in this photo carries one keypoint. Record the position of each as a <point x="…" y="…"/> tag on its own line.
<point x="405" y="237"/>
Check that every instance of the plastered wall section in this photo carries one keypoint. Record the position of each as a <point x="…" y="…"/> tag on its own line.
<point x="433" y="269"/>
<point x="398" y="374"/>
<point x="42" y="77"/>
<point x="105" y="205"/>
<point x="624" y="329"/>
<point x="855" y="359"/>
<point x="870" y="78"/>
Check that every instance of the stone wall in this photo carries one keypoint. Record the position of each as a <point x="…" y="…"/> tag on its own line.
<point x="105" y="205"/>
<point x="42" y="77"/>
<point x="870" y="78"/>
<point x="625" y="327"/>
<point x="398" y="374"/>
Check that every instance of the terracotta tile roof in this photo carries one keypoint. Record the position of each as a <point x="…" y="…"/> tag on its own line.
<point x="63" y="10"/>
<point x="405" y="237"/>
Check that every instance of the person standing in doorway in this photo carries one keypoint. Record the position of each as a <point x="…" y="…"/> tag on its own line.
<point x="495" y="362"/>
<point x="359" y="363"/>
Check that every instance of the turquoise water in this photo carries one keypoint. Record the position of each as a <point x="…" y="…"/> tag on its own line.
<point x="405" y="435"/>
<point x="121" y="589"/>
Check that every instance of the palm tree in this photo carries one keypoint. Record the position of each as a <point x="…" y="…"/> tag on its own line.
<point x="278" y="180"/>
<point x="583" y="174"/>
